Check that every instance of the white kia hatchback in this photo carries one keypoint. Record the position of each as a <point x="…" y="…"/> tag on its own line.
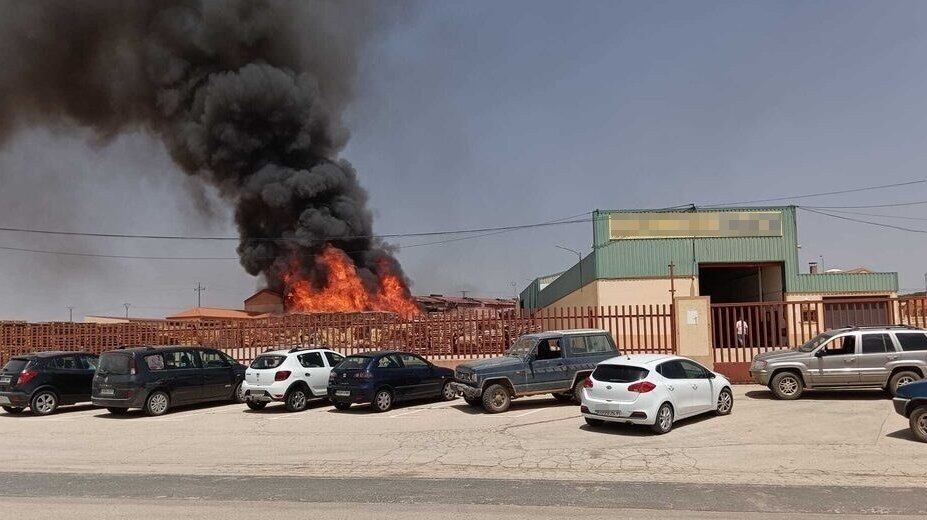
<point x="293" y="376"/>
<point x="653" y="389"/>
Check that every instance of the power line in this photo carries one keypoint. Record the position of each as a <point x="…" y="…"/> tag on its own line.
<point x="821" y="194"/>
<point x="288" y="239"/>
<point x="869" y="222"/>
<point x="494" y="231"/>
<point x="891" y="205"/>
<point x="880" y="215"/>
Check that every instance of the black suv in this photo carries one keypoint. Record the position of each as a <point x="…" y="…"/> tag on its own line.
<point x="46" y="380"/>
<point x="157" y="378"/>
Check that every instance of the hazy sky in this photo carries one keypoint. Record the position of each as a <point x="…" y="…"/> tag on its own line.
<point x="479" y="114"/>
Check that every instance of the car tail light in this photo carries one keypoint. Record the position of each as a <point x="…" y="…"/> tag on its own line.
<point x="132" y="367"/>
<point x="642" y="387"/>
<point x="26" y="375"/>
<point x="583" y="409"/>
<point x="587" y="383"/>
<point x="282" y="375"/>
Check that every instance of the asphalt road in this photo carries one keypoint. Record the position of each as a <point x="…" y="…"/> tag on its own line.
<point x="433" y="494"/>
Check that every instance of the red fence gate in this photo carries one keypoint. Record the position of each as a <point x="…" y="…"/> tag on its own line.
<point x="769" y="326"/>
<point x="449" y="335"/>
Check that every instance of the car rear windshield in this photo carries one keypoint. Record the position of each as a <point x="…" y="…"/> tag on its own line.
<point x="262" y="362"/>
<point x="15" y="365"/>
<point x="354" y="363"/>
<point x="113" y="363"/>
<point x="619" y="373"/>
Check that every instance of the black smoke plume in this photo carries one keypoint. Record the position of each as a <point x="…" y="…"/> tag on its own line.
<point x="246" y="95"/>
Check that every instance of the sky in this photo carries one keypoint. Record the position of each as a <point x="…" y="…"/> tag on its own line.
<point x="481" y="114"/>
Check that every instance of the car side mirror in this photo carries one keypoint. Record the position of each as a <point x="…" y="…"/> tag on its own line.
<point x="819" y="353"/>
<point x="711" y="375"/>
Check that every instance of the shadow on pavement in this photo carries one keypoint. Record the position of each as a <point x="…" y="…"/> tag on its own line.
<point x="904" y="433"/>
<point x="275" y="407"/>
<point x="640" y="430"/>
<point x="64" y="410"/>
<point x="516" y="406"/>
<point x="133" y="414"/>
<point x="826" y="395"/>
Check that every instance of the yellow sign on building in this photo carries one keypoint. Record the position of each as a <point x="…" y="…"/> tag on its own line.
<point x="709" y="224"/>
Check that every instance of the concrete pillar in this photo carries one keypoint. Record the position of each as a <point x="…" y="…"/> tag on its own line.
<point x="693" y="329"/>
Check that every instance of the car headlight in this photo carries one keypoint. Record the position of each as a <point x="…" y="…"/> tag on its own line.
<point x="759" y="364"/>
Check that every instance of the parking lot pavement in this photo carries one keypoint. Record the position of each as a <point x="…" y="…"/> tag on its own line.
<point x="822" y="439"/>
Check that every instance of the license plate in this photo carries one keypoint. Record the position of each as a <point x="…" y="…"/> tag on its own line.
<point x="4" y="400"/>
<point x="6" y="379"/>
<point x="608" y="413"/>
<point x="107" y="391"/>
<point x="343" y="393"/>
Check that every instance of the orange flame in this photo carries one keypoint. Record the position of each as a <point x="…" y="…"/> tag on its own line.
<point x="344" y="291"/>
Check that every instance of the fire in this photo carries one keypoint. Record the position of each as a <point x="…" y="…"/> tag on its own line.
<point x="344" y="291"/>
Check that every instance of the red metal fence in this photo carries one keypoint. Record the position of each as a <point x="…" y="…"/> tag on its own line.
<point x="781" y="325"/>
<point x="464" y="334"/>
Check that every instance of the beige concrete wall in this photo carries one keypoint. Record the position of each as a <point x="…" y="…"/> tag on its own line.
<point x="584" y="297"/>
<point x="644" y="291"/>
<point x="693" y="329"/>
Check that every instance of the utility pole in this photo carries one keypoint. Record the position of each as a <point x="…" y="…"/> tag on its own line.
<point x="71" y="313"/>
<point x="127" y="305"/>
<point x="464" y="293"/>
<point x="579" y="263"/>
<point x="199" y="293"/>
<point x="672" y="277"/>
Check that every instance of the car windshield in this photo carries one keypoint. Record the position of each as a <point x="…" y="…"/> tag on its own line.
<point x="521" y="347"/>
<point x="114" y="364"/>
<point x="354" y="363"/>
<point x="815" y="342"/>
<point x="15" y="365"/>
<point x="265" y="362"/>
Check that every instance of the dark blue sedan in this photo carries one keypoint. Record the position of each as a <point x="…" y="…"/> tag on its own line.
<point x="911" y="402"/>
<point x="385" y="378"/>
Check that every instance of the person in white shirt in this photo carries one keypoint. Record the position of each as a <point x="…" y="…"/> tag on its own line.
<point x="740" y="330"/>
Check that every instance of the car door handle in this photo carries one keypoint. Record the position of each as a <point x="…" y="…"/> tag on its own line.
<point x="670" y="388"/>
<point x="307" y="374"/>
<point x="851" y="360"/>
<point x="892" y="358"/>
<point x="694" y="387"/>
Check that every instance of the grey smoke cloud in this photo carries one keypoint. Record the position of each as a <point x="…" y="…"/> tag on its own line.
<point x="246" y="95"/>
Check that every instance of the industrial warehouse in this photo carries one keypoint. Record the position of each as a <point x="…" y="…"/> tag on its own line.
<point x="730" y="255"/>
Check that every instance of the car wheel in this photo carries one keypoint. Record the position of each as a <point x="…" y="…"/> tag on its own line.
<point x="257" y="405"/>
<point x="296" y="400"/>
<point x="44" y="403"/>
<point x="342" y="406"/>
<point x="595" y="423"/>
<point x="447" y="392"/>
<point x="563" y="398"/>
<point x="496" y="399"/>
<point x="239" y="395"/>
<point x="919" y="423"/>
<point x="664" y="419"/>
<point x="725" y="402"/>
<point x="475" y="402"/>
<point x="117" y="411"/>
<point x="786" y="385"/>
<point x="901" y="379"/>
<point x="13" y="409"/>
<point x="157" y="403"/>
<point x="577" y="392"/>
<point x="382" y="401"/>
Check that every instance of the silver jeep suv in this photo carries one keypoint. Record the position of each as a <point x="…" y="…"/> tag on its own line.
<point x="857" y="357"/>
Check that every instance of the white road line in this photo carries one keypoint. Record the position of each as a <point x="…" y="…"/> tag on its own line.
<point x="410" y="412"/>
<point x="529" y="413"/>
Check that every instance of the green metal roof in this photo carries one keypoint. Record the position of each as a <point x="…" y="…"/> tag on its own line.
<point x="650" y="257"/>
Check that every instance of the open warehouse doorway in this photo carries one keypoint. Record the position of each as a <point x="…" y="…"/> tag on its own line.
<point x="748" y="283"/>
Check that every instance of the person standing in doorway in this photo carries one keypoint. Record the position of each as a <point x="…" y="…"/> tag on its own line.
<point x="740" y="330"/>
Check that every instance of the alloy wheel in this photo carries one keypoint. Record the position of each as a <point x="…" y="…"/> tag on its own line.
<point x="665" y="418"/>
<point x="904" y="381"/>
<point x="240" y="393"/>
<point x="788" y="385"/>
<point x="44" y="403"/>
<point x="297" y="400"/>
<point x="922" y="425"/>
<point x="448" y="392"/>
<point x="157" y="403"/>
<point x="384" y="400"/>
<point x="725" y="402"/>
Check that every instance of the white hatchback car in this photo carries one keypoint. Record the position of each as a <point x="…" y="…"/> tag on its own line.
<point x="653" y="389"/>
<point x="293" y="376"/>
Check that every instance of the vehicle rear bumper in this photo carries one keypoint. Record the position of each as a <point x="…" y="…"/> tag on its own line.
<point x="14" y="399"/>
<point x="470" y="392"/>
<point x="760" y="377"/>
<point x="263" y="394"/>
<point x="355" y="394"/>
<point x="900" y="404"/>
<point x="136" y="401"/>
<point x="635" y="412"/>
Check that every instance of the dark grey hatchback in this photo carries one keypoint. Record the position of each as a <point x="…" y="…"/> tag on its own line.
<point x="158" y="378"/>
